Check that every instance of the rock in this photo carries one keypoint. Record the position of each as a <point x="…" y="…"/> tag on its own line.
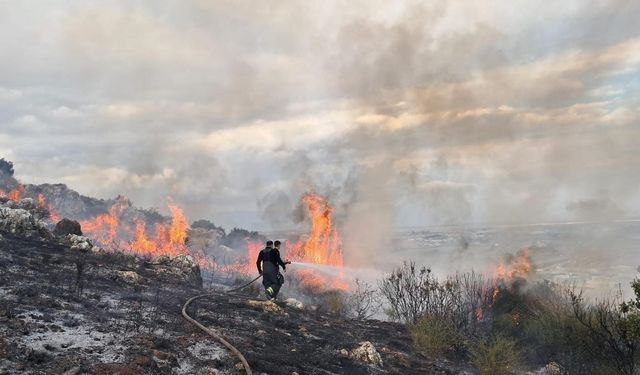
<point x="551" y="369"/>
<point x="267" y="306"/>
<point x="67" y="226"/>
<point x="24" y="203"/>
<point x="80" y="243"/>
<point x="73" y="371"/>
<point x="129" y="276"/>
<point x="367" y="353"/>
<point x="21" y="222"/>
<point x="183" y="266"/>
<point x="292" y="302"/>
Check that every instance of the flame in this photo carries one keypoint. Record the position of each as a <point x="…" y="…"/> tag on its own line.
<point x="168" y="241"/>
<point x="179" y="226"/>
<point x="141" y="243"/>
<point x="253" y="249"/>
<point x="511" y="269"/>
<point x="324" y="245"/>
<point x="479" y="313"/>
<point x="206" y="263"/>
<point x="109" y="227"/>
<point x="15" y="194"/>
<point x="54" y="216"/>
<point x="20" y="192"/>
<point x="104" y="228"/>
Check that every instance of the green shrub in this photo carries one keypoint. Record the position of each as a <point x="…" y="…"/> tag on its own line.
<point x="333" y="302"/>
<point x="552" y="333"/>
<point x="434" y="335"/>
<point x="497" y="356"/>
<point x="611" y="331"/>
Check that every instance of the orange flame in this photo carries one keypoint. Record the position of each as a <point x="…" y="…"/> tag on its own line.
<point x="324" y="245"/>
<point x="104" y="228"/>
<point x="253" y="249"/>
<point x="141" y="243"/>
<point x="179" y="226"/>
<point x="511" y="269"/>
<point x="54" y="216"/>
<point x="168" y="241"/>
<point x="108" y="228"/>
<point x="206" y="263"/>
<point x="15" y="194"/>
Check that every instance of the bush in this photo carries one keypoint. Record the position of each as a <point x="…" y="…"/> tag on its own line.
<point x="412" y="293"/>
<point x="363" y="302"/>
<point x="475" y="313"/>
<point x="433" y="335"/>
<point x="496" y="356"/>
<point x="333" y="302"/>
<point x="551" y="331"/>
<point x="611" y="331"/>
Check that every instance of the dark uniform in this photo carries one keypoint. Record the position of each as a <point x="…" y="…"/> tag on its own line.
<point x="272" y="279"/>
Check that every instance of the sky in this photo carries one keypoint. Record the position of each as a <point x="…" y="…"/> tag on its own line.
<point x="400" y="113"/>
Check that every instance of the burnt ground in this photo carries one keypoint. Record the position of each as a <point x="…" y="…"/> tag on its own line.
<point x="121" y="315"/>
<point x="289" y="339"/>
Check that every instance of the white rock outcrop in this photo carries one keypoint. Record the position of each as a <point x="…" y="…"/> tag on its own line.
<point x="367" y="353"/>
<point x="20" y="222"/>
<point x="80" y="243"/>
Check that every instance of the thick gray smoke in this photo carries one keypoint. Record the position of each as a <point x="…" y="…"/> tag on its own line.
<point x="400" y="114"/>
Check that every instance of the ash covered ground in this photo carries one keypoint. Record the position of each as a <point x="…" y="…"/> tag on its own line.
<point x="69" y="307"/>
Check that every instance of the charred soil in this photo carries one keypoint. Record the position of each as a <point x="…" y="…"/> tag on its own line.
<point x="64" y="310"/>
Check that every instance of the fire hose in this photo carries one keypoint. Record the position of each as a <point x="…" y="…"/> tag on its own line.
<point x="212" y="333"/>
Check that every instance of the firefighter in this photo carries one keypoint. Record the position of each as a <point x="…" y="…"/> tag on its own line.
<point x="276" y="249"/>
<point x="269" y="263"/>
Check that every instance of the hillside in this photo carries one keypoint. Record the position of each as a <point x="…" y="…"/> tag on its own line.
<point x="69" y="307"/>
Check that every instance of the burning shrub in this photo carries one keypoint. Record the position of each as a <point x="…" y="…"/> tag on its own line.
<point x="434" y="335"/>
<point x="496" y="356"/>
<point x="475" y="313"/>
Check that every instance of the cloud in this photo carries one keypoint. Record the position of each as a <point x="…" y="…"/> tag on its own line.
<point x="452" y="111"/>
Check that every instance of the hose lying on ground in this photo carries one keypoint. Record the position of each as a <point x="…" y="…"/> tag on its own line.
<point x="213" y="334"/>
